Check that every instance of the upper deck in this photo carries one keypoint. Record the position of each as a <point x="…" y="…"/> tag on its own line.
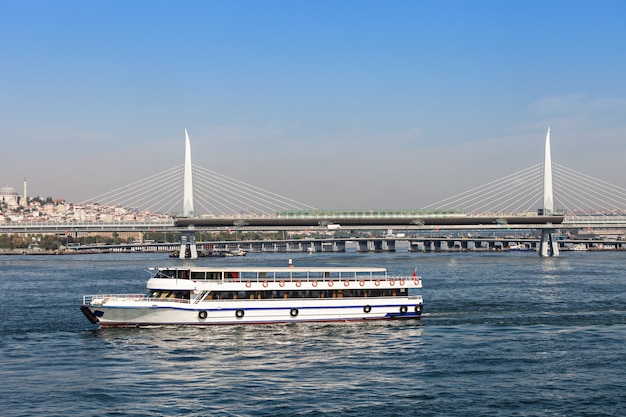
<point x="269" y="273"/>
<point x="269" y="278"/>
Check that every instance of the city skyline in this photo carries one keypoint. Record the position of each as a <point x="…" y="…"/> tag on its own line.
<point x="337" y="105"/>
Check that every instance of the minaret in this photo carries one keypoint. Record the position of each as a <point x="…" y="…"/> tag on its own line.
<point x="25" y="193"/>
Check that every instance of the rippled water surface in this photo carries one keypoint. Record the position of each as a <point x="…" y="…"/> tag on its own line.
<point x="502" y="334"/>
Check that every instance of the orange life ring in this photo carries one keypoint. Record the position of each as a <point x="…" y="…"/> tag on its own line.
<point x="331" y="283"/>
<point x="392" y="282"/>
<point x="346" y="283"/>
<point x="402" y="281"/>
<point x="265" y="284"/>
<point x="361" y="283"/>
<point x="298" y="283"/>
<point x="416" y="281"/>
<point x="377" y="282"/>
<point x="282" y="283"/>
<point x="314" y="283"/>
<point x="248" y="284"/>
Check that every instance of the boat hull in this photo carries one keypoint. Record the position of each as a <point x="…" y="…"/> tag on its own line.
<point x="138" y="313"/>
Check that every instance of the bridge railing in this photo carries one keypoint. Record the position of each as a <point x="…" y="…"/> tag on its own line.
<point x="597" y="219"/>
<point x="72" y="224"/>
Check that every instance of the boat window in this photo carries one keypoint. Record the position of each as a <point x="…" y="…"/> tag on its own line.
<point x="213" y="275"/>
<point x="183" y="295"/>
<point x="197" y="275"/>
<point x="182" y="274"/>
<point x="167" y="273"/>
<point x="231" y="275"/>
<point x="302" y="294"/>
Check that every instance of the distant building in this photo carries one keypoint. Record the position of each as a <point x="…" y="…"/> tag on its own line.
<point x="9" y="197"/>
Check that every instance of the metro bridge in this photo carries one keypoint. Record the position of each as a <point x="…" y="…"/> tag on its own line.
<point x="495" y="205"/>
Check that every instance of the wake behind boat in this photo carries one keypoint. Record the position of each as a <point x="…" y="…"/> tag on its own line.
<point x="247" y="295"/>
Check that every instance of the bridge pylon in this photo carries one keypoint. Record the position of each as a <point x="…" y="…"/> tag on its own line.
<point x="548" y="245"/>
<point x="188" y="247"/>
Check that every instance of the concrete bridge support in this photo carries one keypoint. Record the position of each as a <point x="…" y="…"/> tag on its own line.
<point x="548" y="245"/>
<point x="188" y="249"/>
<point x="416" y="246"/>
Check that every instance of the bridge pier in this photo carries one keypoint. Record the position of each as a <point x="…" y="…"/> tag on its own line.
<point x="548" y="245"/>
<point x="188" y="241"/>
<point x="416" y="246"/>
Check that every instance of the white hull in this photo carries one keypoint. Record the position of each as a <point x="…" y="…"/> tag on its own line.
<point x="257" y="312"/>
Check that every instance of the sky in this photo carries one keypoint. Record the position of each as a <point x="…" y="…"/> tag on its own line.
<point x="336" y="104"/>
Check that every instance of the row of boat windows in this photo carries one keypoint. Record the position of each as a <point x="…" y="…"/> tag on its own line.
<point x="217" y="275"/>
<point x="274" y="295"/>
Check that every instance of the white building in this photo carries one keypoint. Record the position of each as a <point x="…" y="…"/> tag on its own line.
<point x="9" y="197"/>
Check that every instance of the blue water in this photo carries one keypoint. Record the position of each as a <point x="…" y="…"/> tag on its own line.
<point x="507" y="334"/>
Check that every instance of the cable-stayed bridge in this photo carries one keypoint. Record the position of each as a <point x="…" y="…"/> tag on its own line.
<point x="577" y="194"/>
<point x="544" y="196"/>
<point x="216" y="195"/>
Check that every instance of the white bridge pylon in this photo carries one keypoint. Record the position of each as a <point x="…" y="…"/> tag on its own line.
<point x="548" y="245"/>
<point x="188" y="247"/>
<point x="226" y="193"/>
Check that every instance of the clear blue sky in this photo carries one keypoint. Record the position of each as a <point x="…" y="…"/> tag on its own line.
<point x="337" y="104"/>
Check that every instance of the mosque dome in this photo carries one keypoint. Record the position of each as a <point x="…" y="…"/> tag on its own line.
<point x="7" y="191"/>
<point x="9" y="196"/>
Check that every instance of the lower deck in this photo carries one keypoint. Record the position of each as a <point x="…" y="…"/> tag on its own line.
<point x="189" y="296"/>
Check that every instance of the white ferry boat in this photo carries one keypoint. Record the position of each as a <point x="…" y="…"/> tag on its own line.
<point x="246" y="295"/>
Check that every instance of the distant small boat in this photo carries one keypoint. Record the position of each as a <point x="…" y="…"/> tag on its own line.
<point x="518" y="247"/>
<point x="580" y="247"/>
<point x="236" y="252"/>
<point x="222" y="253"/>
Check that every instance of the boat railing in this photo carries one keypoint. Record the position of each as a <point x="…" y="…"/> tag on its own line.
<point x="166" y="300"/>
<point x="295" y="278"/>
<point x="100" y="298"/>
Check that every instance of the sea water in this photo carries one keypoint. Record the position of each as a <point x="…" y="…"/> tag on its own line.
<point x="509" y="334"/>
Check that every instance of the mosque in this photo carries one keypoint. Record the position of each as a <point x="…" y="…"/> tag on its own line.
<point x="10" y="197"/>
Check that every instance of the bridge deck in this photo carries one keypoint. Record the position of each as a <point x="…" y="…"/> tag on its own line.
<point x="371" y="221"/>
